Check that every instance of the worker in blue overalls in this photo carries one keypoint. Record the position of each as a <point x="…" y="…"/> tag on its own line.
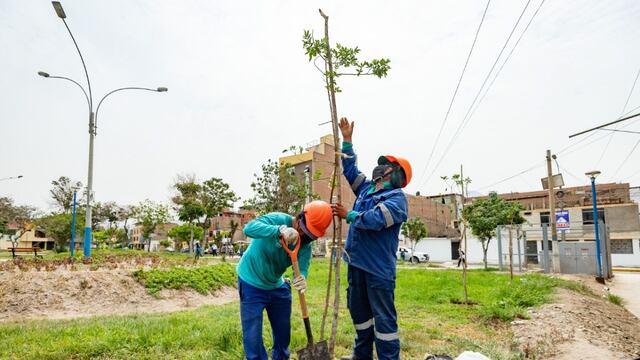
<point x="379" y="210"/>
<point x="260" y="281"/>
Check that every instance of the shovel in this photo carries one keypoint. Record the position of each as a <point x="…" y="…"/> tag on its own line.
<point x="319" y="351"/>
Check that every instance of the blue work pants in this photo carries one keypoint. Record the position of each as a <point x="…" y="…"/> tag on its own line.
<point x="371" y="303"/>
<point x="253" y="302"/>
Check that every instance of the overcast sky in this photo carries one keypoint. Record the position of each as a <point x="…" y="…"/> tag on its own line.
<point x="241" y="90"/>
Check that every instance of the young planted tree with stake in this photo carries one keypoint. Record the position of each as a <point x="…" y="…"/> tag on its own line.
<point x="336" y="62"/>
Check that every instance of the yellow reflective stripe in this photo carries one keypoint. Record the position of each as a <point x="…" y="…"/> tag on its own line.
<point x="387" y="337"/>
<point x="388" y="218"/>
<point x="357" y="182"/>
<point x="365" y="325"/>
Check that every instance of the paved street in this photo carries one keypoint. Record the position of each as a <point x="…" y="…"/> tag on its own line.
<point x="627" y="286"/>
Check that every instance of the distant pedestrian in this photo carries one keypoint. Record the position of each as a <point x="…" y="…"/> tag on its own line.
<point x="198" y="250"/>
<point x="214" y="249"/>
<point x="461" y="257"/>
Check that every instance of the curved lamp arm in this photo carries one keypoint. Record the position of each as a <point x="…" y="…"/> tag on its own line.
<point x="160" y="89"/>
<point x="45" y="75"/>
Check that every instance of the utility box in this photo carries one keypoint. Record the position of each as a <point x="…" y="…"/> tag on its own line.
<point x="577" y="257"/>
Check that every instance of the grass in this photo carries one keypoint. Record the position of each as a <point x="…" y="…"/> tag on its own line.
<point x="615" y="299"/>
<point x="204" y="279"/>
<point x="428" y="320"/>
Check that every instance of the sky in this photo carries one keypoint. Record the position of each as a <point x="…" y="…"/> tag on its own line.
<point x="241" y="90"/>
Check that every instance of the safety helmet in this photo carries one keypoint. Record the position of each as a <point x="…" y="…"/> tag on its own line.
<point x="316" y="218"/>
<point x="398" y="178"/>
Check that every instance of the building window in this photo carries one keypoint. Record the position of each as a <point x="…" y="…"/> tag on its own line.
<point x="587" y="216"/>
<point x="544" y="217"/>
<point x="621" y="246"/>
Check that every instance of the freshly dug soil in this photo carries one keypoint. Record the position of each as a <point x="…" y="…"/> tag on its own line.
<point x="577" y="326"/>
<point x="64" y="294"/>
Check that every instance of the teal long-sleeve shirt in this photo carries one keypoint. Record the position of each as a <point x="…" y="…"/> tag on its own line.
<point x="265" y="261"/>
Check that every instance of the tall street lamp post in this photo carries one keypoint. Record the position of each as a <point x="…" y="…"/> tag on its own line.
<point x="592" y="175"/>
<point x="92" y="122"/>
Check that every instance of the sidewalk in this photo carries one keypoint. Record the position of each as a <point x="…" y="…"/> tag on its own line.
<point x="627" y="286"/>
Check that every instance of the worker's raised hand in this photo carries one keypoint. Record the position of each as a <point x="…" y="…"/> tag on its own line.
<point x="346" y="128"/>
<point x="300" y="284"/>
<point x="339" y="211"/>
<point x="289" y="234"/>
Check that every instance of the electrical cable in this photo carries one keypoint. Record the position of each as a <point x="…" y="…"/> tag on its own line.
<point x="435" y="144"/>
<point x="622" y="112"/>
<point x="466" y="118"/>
<point x="627" y="158"/>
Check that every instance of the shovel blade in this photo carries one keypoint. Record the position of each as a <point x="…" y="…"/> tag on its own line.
<point x="317" y="351"/>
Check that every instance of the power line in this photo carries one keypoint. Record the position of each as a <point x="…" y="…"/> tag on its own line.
<point x="508" y="57"/>
<point x="627" y="158"/>
<point x="456" y="91"/>
<point x="466" y="117"/>
<point x="622" y="112"/>
<point x="541" y="164"/>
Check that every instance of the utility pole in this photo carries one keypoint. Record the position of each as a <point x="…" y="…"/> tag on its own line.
<point x="552" y="214"/>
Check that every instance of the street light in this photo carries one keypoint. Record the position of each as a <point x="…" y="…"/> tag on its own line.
<point x="12" y="178"/>
<point x="592" y="175"/>
<point x="57" y="6"/>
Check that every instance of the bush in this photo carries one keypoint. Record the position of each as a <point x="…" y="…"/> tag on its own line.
<point x="615" y="299"/>
<point x="204" y="279"/>
<point x="527" y="291"/>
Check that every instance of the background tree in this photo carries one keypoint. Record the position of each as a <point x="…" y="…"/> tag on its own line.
<point x="182" y="233"/>
<point x="277" y="189"/>
<point x="233" y="228"/>
<point x="150" y="214"/>
<point x="215" y="196"/>
<point x="58" y="228"/>
<point x="188" y="203"/>
<point x="338" y="61"/>
<point x="124" y="213"/>
<point x="16" y="216"/>
<point x="484" y="216"/>
<point x="62" y="193"/>
<point x="415" y="230"/>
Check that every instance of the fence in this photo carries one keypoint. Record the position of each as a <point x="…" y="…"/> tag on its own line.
<point x="573" y="252"/>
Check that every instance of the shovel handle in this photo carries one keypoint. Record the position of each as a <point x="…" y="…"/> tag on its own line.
<point x="296" y="272"/>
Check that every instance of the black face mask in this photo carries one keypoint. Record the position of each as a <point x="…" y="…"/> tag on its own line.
<point x="398" y="178"/>
<point x="305" y="239"/>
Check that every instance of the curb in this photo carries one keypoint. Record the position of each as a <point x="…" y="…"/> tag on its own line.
<point x="621" y="269"/>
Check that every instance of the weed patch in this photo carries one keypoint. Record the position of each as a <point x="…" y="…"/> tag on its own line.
<point x="204" y="279"/>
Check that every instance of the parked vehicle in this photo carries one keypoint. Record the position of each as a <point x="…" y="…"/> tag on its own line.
<point x="406" y="254"/>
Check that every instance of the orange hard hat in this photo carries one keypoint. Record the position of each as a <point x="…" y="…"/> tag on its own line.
<point x="317" y="217"/>
<point x="403" y="163"/>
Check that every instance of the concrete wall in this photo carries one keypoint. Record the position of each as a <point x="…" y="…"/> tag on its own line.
<point x="439" y="249"/>
<point x="628" y="260"/>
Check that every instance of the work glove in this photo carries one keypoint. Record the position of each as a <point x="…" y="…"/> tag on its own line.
<point x="289" y="234"/>
<point x="300" y="283"/>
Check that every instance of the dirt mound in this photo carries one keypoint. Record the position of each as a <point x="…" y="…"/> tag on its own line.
<point x="65" y="294"/>
<point x="576" y="326"/>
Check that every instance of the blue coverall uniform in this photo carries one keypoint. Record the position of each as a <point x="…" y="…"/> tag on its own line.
<point x="261" y="286"/>
<point x="370" y="251"/>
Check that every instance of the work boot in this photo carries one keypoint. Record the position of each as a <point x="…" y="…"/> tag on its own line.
<point x="350" y="357"/>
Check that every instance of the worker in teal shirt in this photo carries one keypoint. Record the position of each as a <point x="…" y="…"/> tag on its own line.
<point x="260" y="274"/>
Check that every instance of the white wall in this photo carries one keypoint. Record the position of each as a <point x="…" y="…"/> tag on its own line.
<point x="438" y="249"/>
<point x="474" y="249"/>
<point x="628" y="260"/>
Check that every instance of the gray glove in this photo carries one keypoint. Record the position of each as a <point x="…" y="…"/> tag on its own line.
<point x="300" y="283"/>
<point x="289" y="234"/>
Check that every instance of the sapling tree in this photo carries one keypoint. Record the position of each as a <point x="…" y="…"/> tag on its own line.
<point x="336" y="62"/>
<point x="415" y="230"/>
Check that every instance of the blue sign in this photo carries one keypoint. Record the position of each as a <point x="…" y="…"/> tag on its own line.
<point x="562" y="220"/>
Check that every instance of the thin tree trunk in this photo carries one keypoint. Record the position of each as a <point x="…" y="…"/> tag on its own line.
<point x="510" y="253"/>
<point x="464" y="237"/>
<point x="191" y="241"/>
<point x="485" y="247"/>
<point x="336" y="184"/>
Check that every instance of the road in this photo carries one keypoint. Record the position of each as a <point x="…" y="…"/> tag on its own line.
<point x="627" y="286"/>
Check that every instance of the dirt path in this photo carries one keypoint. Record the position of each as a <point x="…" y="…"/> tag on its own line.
<point x="64" y="294"/>
<point x="576" y="326"/>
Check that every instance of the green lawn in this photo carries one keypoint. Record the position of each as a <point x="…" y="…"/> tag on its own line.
<point x="429" y="322"/>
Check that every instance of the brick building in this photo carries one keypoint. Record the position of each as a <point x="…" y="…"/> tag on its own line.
<point x="315" y="167"/>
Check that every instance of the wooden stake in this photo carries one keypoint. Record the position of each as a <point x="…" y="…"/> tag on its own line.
<point x="464" y="237"/>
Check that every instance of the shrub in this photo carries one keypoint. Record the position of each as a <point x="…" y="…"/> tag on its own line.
<point x="204" y="279"/>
